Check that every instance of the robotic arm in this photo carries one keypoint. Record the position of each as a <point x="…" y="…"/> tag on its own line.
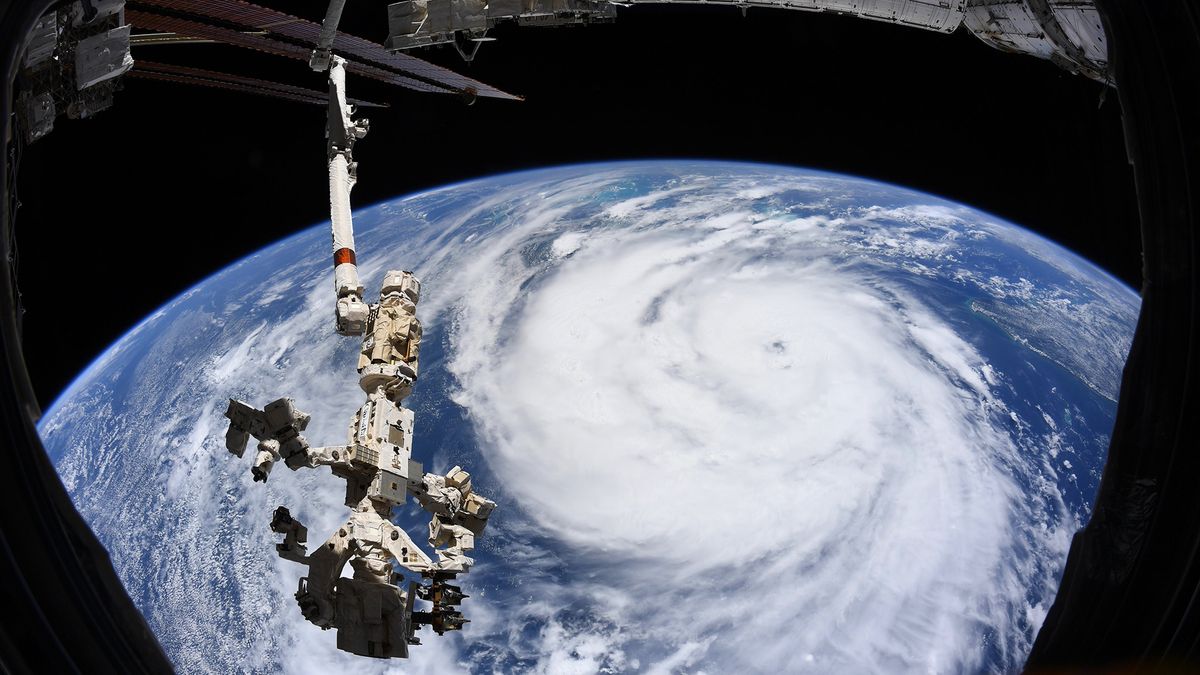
<point x="341" y="133"/>
<point x="277" y="429"/>
<point x="459" y="515"/>
<point x="372" y="615"/>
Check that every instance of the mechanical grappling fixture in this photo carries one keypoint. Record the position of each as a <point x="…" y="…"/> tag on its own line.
<point x="372" y="614"/>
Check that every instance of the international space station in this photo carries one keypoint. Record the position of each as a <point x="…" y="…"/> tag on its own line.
<point x="76" y="55"/>
<point x="74" y="61"/>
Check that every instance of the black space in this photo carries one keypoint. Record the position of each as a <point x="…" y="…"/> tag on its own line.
<point x="123" y="212"/>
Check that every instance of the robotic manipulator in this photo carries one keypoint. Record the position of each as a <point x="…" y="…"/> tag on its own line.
<point x="373" y="615"/>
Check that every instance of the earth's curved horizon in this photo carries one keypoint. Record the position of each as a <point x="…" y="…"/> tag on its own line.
<point x="736" y="416"/>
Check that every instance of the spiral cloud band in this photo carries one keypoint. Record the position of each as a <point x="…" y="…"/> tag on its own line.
<point x="737" y="419"/>
<point x="758" y="434"/>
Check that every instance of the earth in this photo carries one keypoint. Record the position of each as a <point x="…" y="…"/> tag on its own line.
<point x="737" y="418"/>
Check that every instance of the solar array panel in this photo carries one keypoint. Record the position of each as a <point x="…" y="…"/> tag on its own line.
<point x="253" y="85"/>
<point x="262" y="43"/>
<point x="219" y="84"/>
<point x="363" y="57"/>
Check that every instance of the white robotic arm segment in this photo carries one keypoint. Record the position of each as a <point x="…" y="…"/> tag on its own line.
<point x="405" y="551"/>
<point x="342" y="131"/>
<point x="451" y="542"/>
<point x="451" y="496"/>
<point x="459" y="515"/>
<point x="264" y="461"/>
<point x="277" y="428"/>
<point x="436" y="497"/>
<point x="334" y="456"/>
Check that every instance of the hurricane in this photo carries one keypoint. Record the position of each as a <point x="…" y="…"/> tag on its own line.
<point x="736" y="418"/>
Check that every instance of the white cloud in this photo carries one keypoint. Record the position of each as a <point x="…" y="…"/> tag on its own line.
<point x="711" y="424"/>
<point x="750" y="442"/>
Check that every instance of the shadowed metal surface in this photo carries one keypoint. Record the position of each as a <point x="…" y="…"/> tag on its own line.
<point x="65" y="609"/>
<point x="265" y="44"/>
<point x="252" y="85"/>
<point x="294" y="30"/>
<point x="1130" y="588"/>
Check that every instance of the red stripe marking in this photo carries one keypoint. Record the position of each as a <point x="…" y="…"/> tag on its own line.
<point x="344" y="255"/>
